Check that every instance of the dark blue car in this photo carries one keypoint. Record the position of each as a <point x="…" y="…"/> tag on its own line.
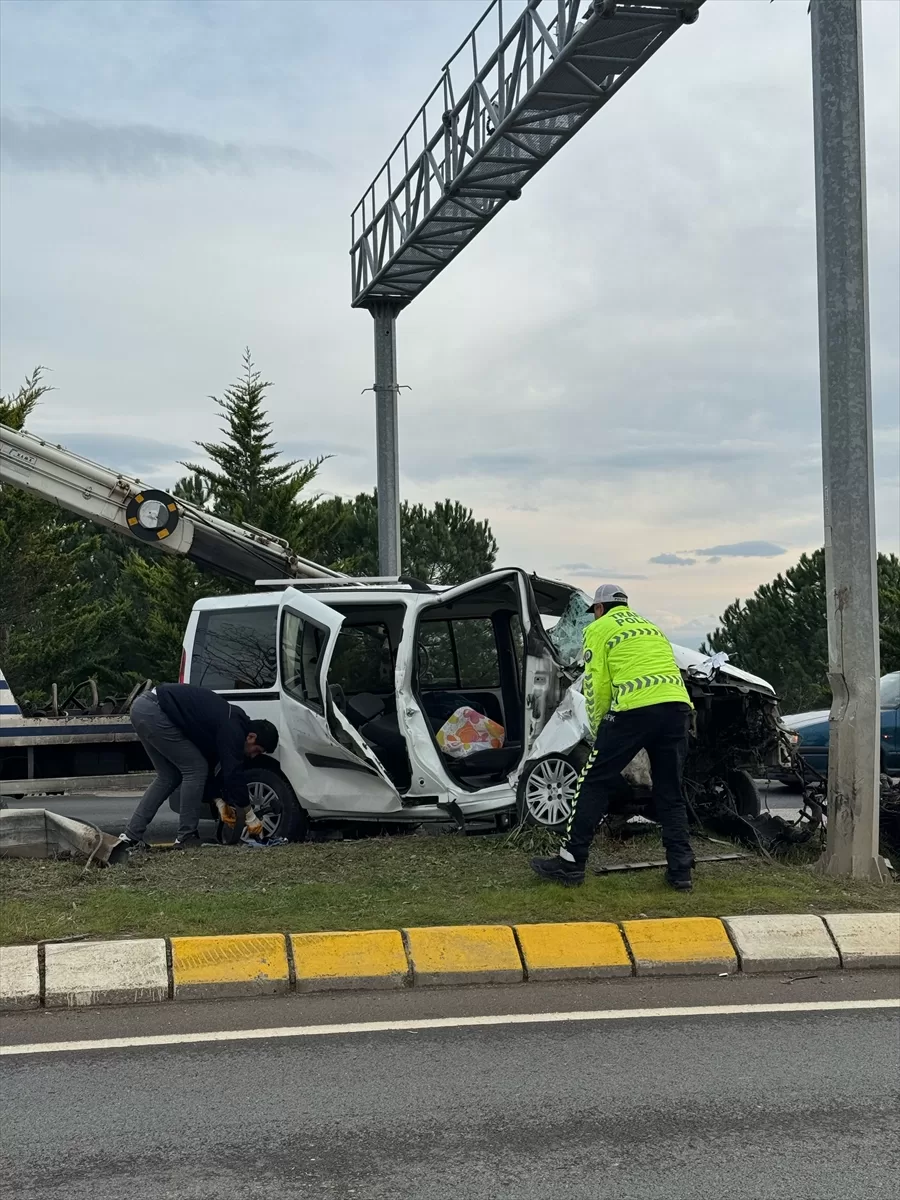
<point x="812" y="730"/>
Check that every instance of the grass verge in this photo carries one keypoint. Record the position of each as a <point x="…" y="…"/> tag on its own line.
<point x="386" y="883"/>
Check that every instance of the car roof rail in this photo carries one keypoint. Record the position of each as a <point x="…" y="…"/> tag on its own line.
<point x="330" y="583"/>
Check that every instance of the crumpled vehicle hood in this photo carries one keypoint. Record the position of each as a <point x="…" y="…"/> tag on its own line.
<point x="568" y="632"/>
<point x="569" y="723"/>
<point x="693" y="661"/>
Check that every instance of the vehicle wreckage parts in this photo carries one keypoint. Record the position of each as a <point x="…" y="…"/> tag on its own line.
<point x="152" y="516"/>
<point x="84" y="700"/>
<point x="661" y="862"/>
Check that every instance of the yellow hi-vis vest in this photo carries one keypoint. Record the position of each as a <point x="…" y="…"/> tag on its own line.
<point x="628" y="663"/>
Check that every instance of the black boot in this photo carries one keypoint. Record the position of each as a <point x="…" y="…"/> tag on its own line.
<point x="679" y="878"/>
<point x="678" y="875"/>
<point x="559" y="870"/>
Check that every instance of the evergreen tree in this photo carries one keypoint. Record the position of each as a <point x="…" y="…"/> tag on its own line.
<point x="51" y="628"/>
<point x="16" y="409"/>
<point x="193" y="489"/>
<point x="781" y="634"/>
<point x="247" y="483"/>
<point x="443" y="544"/>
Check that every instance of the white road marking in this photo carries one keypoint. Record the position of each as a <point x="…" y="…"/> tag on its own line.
<point x="552" y="1018"/>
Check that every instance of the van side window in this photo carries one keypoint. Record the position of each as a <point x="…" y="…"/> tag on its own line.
<point x="363" y="659"/>
<point x="302" y="644"/>
<point x="476" y="650"/>
<point x="437" y="660"/>
<point x="458" y="654"/>
<point x="234" y="649"/>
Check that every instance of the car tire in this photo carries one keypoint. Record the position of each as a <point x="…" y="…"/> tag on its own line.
<point x="746" y="797"/>
<point x="274" y="801"/>
<point x="546" y="787"/>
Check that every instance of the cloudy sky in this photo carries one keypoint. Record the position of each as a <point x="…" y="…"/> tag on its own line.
<point x="621" y="373"/>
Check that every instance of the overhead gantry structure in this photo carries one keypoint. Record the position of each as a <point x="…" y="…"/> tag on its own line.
<point x="520" y="86"/>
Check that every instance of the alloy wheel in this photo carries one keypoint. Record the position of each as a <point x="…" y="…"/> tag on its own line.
<point x="549" y="791"/>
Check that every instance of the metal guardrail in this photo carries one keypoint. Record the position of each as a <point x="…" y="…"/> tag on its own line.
<point x="75" y="784"/>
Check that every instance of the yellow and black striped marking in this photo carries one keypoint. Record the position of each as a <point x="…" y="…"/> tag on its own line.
<point x="155" y="532"/>
<point x="643" y="681"/>
<point x="591" y="759"/>
<point x="650" y="631"/>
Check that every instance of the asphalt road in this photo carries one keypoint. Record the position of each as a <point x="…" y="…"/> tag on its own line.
<point x="111" y="813"/>
<point x="748" y="1106"/>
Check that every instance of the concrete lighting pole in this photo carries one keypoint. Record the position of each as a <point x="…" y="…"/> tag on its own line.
<point x="849" y="492"/>
<point x="384" y="314"/>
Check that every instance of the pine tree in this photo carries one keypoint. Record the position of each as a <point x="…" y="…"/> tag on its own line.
<point x="16" y="409"/>
<point x="781" y="633"/>
<point x="247" y="483"/>
<point x="441" y="544"/>
<point x="51" y="627"/>
<point x="193" y="489"/>
<point x="159" y="593"/>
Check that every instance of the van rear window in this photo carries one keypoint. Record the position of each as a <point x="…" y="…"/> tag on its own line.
<point x="234" y="649"/>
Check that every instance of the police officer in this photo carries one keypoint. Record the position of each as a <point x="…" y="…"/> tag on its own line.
<point x="636" y="700"/>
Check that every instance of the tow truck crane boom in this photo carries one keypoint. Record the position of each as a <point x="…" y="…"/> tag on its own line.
<point x="124" y="505"/>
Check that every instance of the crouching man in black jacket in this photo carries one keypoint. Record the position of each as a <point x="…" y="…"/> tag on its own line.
<point x="186" y="732"/>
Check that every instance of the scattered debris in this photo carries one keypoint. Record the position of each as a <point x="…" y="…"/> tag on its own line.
<point x="890" y="812"/>
<point x="37" y="833"/>
<point x="84" y="700"/>
<point x="646" y="866"/>
<point x="814" y="809"/>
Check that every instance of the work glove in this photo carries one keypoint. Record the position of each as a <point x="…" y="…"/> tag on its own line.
<point x="227" y="814"/>
<point x="252" y="823"/>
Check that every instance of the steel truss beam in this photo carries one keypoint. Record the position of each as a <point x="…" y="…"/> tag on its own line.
<point x="461" y="160"/>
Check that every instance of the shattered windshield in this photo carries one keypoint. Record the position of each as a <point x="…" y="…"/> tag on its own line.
<point x="568" y="632"/>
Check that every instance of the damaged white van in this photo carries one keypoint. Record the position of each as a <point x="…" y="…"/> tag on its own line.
<point x="364" y="677"/>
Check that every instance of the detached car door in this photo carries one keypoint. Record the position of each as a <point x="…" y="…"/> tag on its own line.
<point x="328" y="764"/>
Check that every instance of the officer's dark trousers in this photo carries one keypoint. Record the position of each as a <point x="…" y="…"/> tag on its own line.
<point x="661" y="730"/>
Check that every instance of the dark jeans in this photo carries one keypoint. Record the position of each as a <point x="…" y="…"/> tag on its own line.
<point x="661" y="730"/>
<point x="179" y="765"/>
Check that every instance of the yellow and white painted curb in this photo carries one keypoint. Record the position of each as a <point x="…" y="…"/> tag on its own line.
<point x="241" y="965"/>
<point x="143" y="970"/>
<point x="681" y="946"/>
